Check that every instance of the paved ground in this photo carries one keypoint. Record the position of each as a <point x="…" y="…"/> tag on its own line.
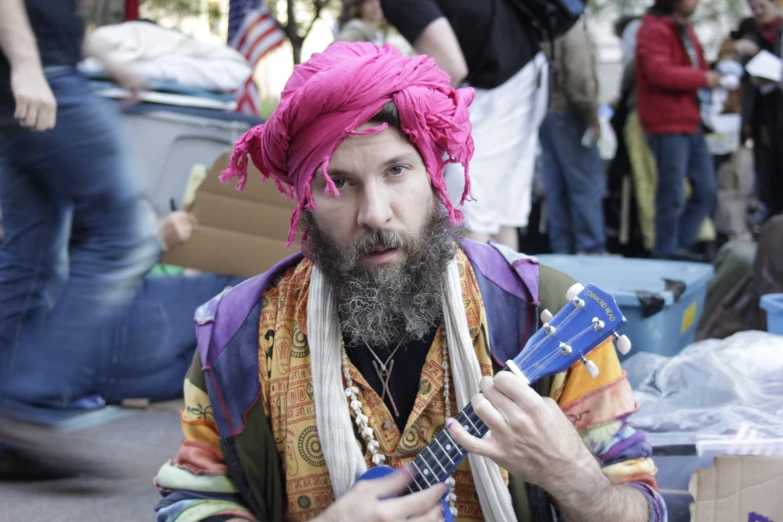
<point x="139" y="439"/>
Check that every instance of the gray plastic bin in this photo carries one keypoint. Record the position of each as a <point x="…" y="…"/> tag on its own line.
<point x="169" y="143"/>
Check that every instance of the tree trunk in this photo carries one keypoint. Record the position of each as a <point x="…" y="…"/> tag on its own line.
<point x="292" y="31"/>
<point x="296" y="46"/>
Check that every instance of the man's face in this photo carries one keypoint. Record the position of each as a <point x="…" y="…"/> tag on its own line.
<point x="764" y="11"/>
<point x="384" y="187"/>
<point x="384" y="243"/>
<point x="686" y="8"/>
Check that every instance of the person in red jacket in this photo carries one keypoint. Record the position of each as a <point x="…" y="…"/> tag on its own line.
<point x="671" y="69"/>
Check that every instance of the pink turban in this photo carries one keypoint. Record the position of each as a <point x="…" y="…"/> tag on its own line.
<point x="332" y="94"/>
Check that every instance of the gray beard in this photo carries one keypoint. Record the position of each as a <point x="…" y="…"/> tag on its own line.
<point x="383" y="305"/>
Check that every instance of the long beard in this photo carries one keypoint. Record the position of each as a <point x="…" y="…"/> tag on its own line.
<point x="382" y="305"/>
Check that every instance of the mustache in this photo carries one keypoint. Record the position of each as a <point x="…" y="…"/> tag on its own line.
<point x="385" y="239"/>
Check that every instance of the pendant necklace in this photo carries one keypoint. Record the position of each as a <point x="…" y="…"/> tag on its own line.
<point x="384" y="369"/>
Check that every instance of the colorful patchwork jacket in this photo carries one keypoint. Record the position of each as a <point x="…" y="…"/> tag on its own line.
<point x="232" y="462"/>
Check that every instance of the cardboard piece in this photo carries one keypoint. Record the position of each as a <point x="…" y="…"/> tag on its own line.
<point x="738" y="488"/>
<point x="240" y="233"/>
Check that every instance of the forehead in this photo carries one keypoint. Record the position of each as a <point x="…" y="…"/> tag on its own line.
<point x="369" y="149"/>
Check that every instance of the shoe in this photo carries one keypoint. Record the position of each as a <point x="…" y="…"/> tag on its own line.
<point x="15" y="466"/>
<point x="61" y="451"/>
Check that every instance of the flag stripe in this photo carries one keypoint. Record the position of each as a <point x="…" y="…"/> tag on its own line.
<point x="251" y="37"/>
<point x="263" y="45"/>
<point x="246" y="31"/>
<point x="253" y="32"/>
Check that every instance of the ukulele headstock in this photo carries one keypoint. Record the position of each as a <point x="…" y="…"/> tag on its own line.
<point x="590" y="317"/>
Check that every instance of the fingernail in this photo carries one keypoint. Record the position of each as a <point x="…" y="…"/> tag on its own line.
<point x="449" y="423"/>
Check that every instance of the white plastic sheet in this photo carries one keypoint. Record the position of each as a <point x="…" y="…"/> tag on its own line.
<point x="731" y="388"/>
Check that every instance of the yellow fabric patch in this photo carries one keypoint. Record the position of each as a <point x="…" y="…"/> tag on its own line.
<point x="200" y="431"/>
<point x="579" y="383"/>
<point x="598" y="436"/>
<point x="688" y="318"/>
<point x="197" y="420"/>
<point x="623" y="470"/>
<point x="197" y="406"/>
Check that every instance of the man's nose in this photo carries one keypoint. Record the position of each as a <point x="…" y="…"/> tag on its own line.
<point x="375" y="211"/>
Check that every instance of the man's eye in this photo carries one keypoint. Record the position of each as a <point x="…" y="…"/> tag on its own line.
<point x="397" y="170"/>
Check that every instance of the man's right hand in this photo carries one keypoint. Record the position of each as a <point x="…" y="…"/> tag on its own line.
<point x="36" y="107"/>
<point x="370" y="501"/>
<point x="713" y="79"/>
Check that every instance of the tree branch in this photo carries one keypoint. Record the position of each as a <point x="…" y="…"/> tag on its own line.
<point x="319" y="5"/>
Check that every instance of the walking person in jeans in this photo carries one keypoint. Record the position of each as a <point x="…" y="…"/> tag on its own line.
<point x="573" y="172"/>
<point x="77" y="242"/>
<point x="670" y="71"/>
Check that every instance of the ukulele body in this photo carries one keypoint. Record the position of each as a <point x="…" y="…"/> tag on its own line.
<point x="382" y="471"/>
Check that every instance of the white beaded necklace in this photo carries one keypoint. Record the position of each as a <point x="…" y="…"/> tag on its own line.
<point x="378" y="458"/>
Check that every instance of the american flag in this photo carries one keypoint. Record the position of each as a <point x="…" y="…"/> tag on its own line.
<point x="252" y="31"/>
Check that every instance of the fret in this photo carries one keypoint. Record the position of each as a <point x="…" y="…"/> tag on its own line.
<point x="421" y="474"/>
<point x="474" y="420"/>
<point x="429" y="471"/>
<point x="426" y="465"/>
<point x="444" y="451"/>
<point x="415" y="486"/>
<point x="457" y="446"/>
<point x="445" y="471"/>
<point x="467" y="428"/>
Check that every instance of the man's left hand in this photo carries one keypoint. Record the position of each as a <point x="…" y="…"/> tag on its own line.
<point x="530" y="435"/>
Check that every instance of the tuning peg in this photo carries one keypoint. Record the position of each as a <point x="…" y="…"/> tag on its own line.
<point x="546" y="316"/>
<point x="623" y="343"/>
<point x="598" y="324"/>
<point x="573" y="291"/>
<point x="591" y="368"/>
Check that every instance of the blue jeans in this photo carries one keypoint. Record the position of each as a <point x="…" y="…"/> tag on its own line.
<point x="677" y="222"/>
<point x="77" y="245"/>
<point x="574" y="180"/>
<point x="152" y="341"/>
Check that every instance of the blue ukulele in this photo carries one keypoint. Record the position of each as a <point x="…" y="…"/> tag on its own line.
<point x="590" y="317"/>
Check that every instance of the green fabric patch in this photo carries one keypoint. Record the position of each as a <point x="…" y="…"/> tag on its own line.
<point x="202" y="509"/>
<point x="166" y="270"/>
<point x="171" y="477"/>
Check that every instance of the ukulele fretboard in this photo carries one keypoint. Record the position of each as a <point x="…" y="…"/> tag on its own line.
<point x="439" y="459"/>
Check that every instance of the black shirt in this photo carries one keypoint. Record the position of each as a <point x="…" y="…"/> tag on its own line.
<point x="404" y="378"/>
<point x="496" y="40"/>
<point x="766" y="107"/>
<point x="58" y="30"/>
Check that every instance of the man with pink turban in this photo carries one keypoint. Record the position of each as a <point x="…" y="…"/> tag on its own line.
<point x="359" y="350"/>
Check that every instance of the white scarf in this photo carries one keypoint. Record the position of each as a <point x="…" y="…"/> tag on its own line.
<point x="333" y="419"/>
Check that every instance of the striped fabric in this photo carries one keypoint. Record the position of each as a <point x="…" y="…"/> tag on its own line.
<point x="252" y="31"/>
